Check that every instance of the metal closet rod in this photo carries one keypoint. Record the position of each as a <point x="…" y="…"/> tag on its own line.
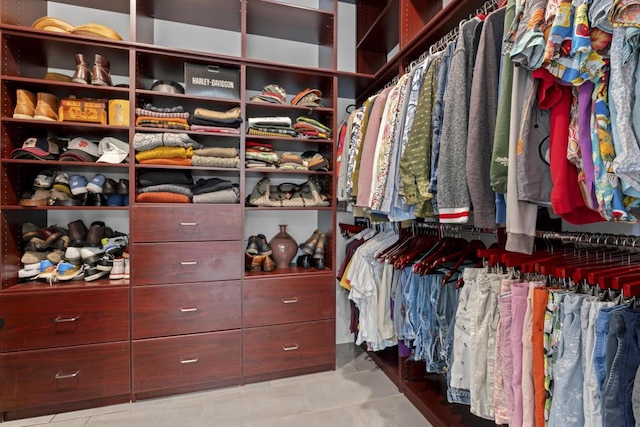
<point x="595" y="239"/>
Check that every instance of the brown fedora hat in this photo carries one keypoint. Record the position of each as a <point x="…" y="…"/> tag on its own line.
<point x="48" y="23"/>
<point x="96" y="30"/>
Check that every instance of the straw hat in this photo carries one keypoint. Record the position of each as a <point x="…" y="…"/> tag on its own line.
<point x="96" y="30"/>
<point x="58" y="77"/>
<point x="48" y="23"/>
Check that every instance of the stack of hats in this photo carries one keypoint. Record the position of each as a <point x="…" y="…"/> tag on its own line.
<point x="206" y="120"/>
<point x="164" y="148"/>
<point x="259" y="155"/>
<point x="38" y="149"/>
<point x="48" y="23"/>
<point x="166" y="186"/>
<point x="272" y="94"/>
<point x="80" y="149"/>
<point x="291" y="161"/>
<point x="216" y="157"/>
<point x="215" y="190"/>
<point x="307" y="127"/>
<point x="163" y="118"/>
<point x="271" y="126"/>
<point x="308" y="98"/>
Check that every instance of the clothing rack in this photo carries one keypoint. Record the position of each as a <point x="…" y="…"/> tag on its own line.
<point x="594" y="239"/>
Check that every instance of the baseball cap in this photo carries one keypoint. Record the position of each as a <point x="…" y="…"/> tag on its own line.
<point x="112" y="150"/>
<point x="37" y="148"/>
<point x="81" y="150"/>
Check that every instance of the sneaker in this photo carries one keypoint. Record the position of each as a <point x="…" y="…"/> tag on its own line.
<point x="44" y="180"/>
<point x="73" y="255"/>
<point x="91" y="255"/>
<point x="92" y="273"/>
<point x="47" y="269"/>
<point x="56" y="256"/>
<point x="106" y="263"/>
<point x="117" y="272"/>
<point x="127" y="264"/>
<point x="28" y="274"/>
<point x="68" y="271"/>
<point x="96" y="183"/>
<point x="78" y="184"/>
<point x="113" y="245"/>
<point x="61" y="183"/>
<point x="32" y="258"/>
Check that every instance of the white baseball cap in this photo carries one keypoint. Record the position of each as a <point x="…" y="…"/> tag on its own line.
<point x="112" y="150"/>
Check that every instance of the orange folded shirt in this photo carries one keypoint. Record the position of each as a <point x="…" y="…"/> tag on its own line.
<point x="162" y="197"/>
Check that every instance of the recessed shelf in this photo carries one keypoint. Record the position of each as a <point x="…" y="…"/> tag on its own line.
<point x="185" y="96"/>
<point x="69" y="126"/>
<point x="48" y="84"/>
<point x="287" y="271"/>
<point x="69" y="285"/>
<point x="57" y="163"/>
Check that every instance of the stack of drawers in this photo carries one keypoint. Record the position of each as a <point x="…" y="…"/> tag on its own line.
<point x="58" y="347"/>
<point x="288" y="325"/>
<point x="186" y="298"/>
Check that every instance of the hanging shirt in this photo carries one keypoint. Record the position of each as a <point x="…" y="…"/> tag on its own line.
<point x="354" y="153"/>
<point x="586" y="176"/>
<point x="529" y="44"/>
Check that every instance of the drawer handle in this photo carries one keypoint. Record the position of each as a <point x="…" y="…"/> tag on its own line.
<point x="61" y="319"/>
<point x="188" y="262"/>
<point x="188" y="224"/>
<point x="185" y="361"/>
<point x="188" y="309"/>
<point x="60" y="376"/>
<point x="293" y="300"/>
<point x="290" y="348"/>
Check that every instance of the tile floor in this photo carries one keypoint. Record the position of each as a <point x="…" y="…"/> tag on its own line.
<point x="356" y="394"/>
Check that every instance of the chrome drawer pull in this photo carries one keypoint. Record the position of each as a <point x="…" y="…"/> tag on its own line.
<point x="60" y="376"/>
<point x="188" y="262"/>
<point x="293" y="300"/>
<point x="61" y="319"/>
<point x="188" y="224"/>
<point x="293" y="347"/>
<point x="188" y="309"/>
<point x="185" y="361"/>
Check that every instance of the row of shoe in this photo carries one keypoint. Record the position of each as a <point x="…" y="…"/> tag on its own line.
<point x="314" y="254"/>
<point x="56" y="188"/>
<point x="258" y="255"/>
<point x="55" y="253"/>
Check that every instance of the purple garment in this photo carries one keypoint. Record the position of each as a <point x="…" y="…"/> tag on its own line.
<point x="584" y="138"/>
<point x="519" y="293"/>
<point x="403" y="350"/>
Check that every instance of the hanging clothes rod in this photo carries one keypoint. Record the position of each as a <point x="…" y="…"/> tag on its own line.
<point x="594" y="239"/>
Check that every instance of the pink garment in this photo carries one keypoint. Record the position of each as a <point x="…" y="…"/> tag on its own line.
<point x="519" y="293"/>
<point x="369" y="143"/>
<point x="503" y="367"/>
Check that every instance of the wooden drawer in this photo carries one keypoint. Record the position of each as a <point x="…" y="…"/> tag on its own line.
<point x="276" y="301"/>
<point x="165" y="363"/>
<point x="49" y="377"/>
<point x="56" y="319"/>
<point x="287" y="347"/>
<point x="186" y="223"/>
<point x="155" y="263"/>
<point x="163" y="310"/>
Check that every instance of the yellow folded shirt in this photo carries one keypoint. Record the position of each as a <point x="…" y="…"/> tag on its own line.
<point x="165" y="153"/>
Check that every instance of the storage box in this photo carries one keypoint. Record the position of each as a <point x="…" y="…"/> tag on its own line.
<point x="83" y="110"/>
<point x="212" y="81"/>
<point x="119" y="112"/>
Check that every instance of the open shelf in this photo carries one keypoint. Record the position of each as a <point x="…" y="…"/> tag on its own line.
<point x="286" y="272"/>
<point x="70" y="285"/>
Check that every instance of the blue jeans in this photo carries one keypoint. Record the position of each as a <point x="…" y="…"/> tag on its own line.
<point x="623" y="358"/>
<point x="566" y="408"/>
<point x="426" y="343"/>
<point x="409" y="300"/>
<point x="600" y="345"/>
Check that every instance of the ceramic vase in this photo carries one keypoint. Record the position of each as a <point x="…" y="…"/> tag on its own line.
<point x="284" y="247"/>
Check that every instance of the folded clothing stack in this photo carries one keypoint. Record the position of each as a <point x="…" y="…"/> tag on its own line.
<point x="216" y="157"/>
<point x="163" y="118"/>
<point x="307" y="127"/>
<point x="271" y="126"/>
<point x="260" y="155"/>
<point x="292" y="161"/>
<point x="164" y="148"/>
<point x="314" y="161"/>
<point x="206" y="120"/>
<point x="164" y="187"/>
<point x="272" y="94"/>
<point x="215" y="190"/>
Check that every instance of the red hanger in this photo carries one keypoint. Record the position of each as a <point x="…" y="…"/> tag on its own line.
<point x="631" y="289"/>
<point x="461" y="256"/>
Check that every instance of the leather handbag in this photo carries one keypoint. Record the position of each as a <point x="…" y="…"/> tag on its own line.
<point x="287" y="194"/>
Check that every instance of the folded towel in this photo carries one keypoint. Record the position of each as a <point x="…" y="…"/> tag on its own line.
<point x="215" y="162"/>
<point x="231" y="195"/>
<point x="162" y="197"/>
<point x="165" y="153"/>
<point x="229" y="152"/>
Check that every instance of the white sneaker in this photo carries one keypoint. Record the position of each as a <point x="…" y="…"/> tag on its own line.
<point x="117" y="272"/>
<point x="73" y="256"/>
<point x="126" y="268"/>
<point x="91" y="255"/>
<point x="27" y="274"/>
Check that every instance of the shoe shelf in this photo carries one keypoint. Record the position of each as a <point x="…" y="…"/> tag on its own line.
<point x="69" y="126"/>
<point x="76" y="89"/>
<point x="70" y="285"/>
<point x="287" y="272"/>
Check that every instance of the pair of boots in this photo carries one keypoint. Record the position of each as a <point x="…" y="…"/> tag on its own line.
<point x="99" y="75"/>
<point x="258" y="255"/>
<point x="44" y="106"/>
<point x="314" y="246"/>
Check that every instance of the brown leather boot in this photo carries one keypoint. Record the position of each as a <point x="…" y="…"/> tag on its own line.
<point x="100" y="74"/>
<point x="95" y="234"/>
<point x="310" y="245"/>
<point x="268" y="264"/>
<point x="25" y="104"/>
<point x="47" y="107"/>
<point x="77" y="233"/>
<point x="82" y="73"/>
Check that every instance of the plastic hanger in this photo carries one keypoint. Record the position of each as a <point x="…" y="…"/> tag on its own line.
<point x="462" y="256"/>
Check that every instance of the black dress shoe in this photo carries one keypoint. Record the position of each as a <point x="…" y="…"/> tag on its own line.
<point x="123" y="186"/>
